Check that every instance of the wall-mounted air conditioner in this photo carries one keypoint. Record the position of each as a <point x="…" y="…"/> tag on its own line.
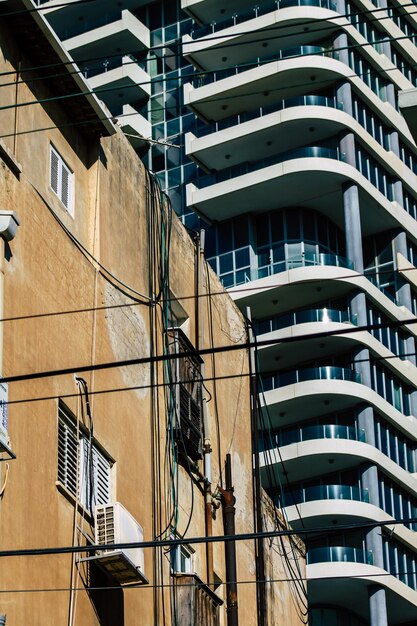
<point x="114" y="525"/>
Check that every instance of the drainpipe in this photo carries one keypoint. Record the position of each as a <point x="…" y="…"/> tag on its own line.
<point x="208" y="505"/>
<point x="228" y="505"/>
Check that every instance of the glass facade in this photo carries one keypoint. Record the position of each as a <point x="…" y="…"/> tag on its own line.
<point x="251" y="247"/>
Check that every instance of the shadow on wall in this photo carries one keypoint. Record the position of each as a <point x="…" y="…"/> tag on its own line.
<point x="108" y="603"/>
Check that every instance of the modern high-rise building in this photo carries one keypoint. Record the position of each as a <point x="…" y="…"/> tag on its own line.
<point x="292" y="147"/>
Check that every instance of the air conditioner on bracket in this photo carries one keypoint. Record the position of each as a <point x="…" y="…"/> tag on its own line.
<point x="113" y="525"/>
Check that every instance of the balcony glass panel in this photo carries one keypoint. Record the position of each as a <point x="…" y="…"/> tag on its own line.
<point x="302" y="261"/>
<point x="246" y="168"/>
<point x="205" y="79"/>
<point x="309" y="100"/>
<point x="303" y="317"/>
<point x="330" y="372"/>
<point x="336" y="554"/>
<point x="327" y="492"/>
<point x="309" y="432"/>
<point x="256" y="11"/>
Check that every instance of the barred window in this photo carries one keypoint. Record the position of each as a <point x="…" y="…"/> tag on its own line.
<point x="62" y="180"/>
<point x="94" y="466"/>
<point x="187" y="383"/>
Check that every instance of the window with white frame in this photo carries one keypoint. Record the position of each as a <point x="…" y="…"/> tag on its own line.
<point x="91" y="484"/>
<point x="181" y="559"/>
<point x="61" y="180"/>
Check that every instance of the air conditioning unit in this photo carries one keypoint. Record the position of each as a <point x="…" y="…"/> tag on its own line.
<point x="114" y="525"/>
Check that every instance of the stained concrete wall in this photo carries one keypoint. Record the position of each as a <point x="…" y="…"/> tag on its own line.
<point x="63" y="310"/>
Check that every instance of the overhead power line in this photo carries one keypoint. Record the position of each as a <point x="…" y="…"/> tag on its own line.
<point x="202" y="352"/>
<point x="67" y="396"/>
<point x="181" y="541"/>
<point x="218" y="36"/>
<point x="179" y="298"/>
<point x="219" y="98"/>
<point x="37" y="9"/>
<point x="192" y="585"/>
<point x="166" y="79"/>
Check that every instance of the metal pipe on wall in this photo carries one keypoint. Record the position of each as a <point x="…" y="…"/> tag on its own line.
<point x="228" y="506"/>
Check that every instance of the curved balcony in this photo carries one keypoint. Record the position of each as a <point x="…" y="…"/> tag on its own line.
<point x="327" y="492"/>
<point x="303" y="260"/>
<point x="202" y="130"/>
<point x="246" y="168"/>
<point x="257" y="11"/>
<point x="321" y="431"/>
<point x="327" y="372"/>
<point x="203" y="78"/>
<point x="304" y="317"/>
<point x="337" y="554"/>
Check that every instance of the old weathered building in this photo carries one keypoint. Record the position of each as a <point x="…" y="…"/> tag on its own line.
<point x="115" y="394"/>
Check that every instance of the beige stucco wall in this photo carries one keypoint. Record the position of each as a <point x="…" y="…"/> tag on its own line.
<point x="64" y="313"/>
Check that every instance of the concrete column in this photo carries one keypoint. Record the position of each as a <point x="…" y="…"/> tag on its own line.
<point x="341" y="7"/>
<point x="365" y="415"/>
<point x="353" y="235"/>
<point x="344" y="97"/>
<point x="377" y="606"/>
<point x="394" y="143"/>
<point x="403" y="294"/>
<point x="340" y="43"/>
<point x="404" y="289"/>
<point x="390" y="91"/>
<point x="347" y="148"/>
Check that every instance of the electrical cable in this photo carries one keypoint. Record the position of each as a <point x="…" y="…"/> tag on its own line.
<point x="201" y="352"/>
<point x="222" y="293"/>
<point x="178" y="541"/>
<point x="299" y="590"/>
<point x="366" y="575"/>
<point x="249" y="65"/>
<point x="148" y="386"/>
<point x="78" y="71"/>
<point x="37" y="9"/>
<point x="219" y="36"/>
<point x="213" y="367"/>
<point x="221" y="98"/>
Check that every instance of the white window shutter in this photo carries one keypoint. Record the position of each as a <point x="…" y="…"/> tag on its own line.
<point x="64" y="185"/>
<point x="93" y="473"/>
<point x="67" y="457"/>
<point x="62" y="180"/>
<point x="101" y="469"/>
<point x="54" y="171"/>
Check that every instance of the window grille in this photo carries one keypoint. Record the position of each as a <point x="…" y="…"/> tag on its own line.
<point x="186" y="379"/>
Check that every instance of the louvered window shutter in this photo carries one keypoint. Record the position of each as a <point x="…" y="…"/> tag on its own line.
<point x="62" y="181"/>
<point x="65" y="178"/>
<point x="101" y="470"/>
<point x="93" y="473"/>
<point x="54" y="171"/>
<point x="67" y="457"/>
